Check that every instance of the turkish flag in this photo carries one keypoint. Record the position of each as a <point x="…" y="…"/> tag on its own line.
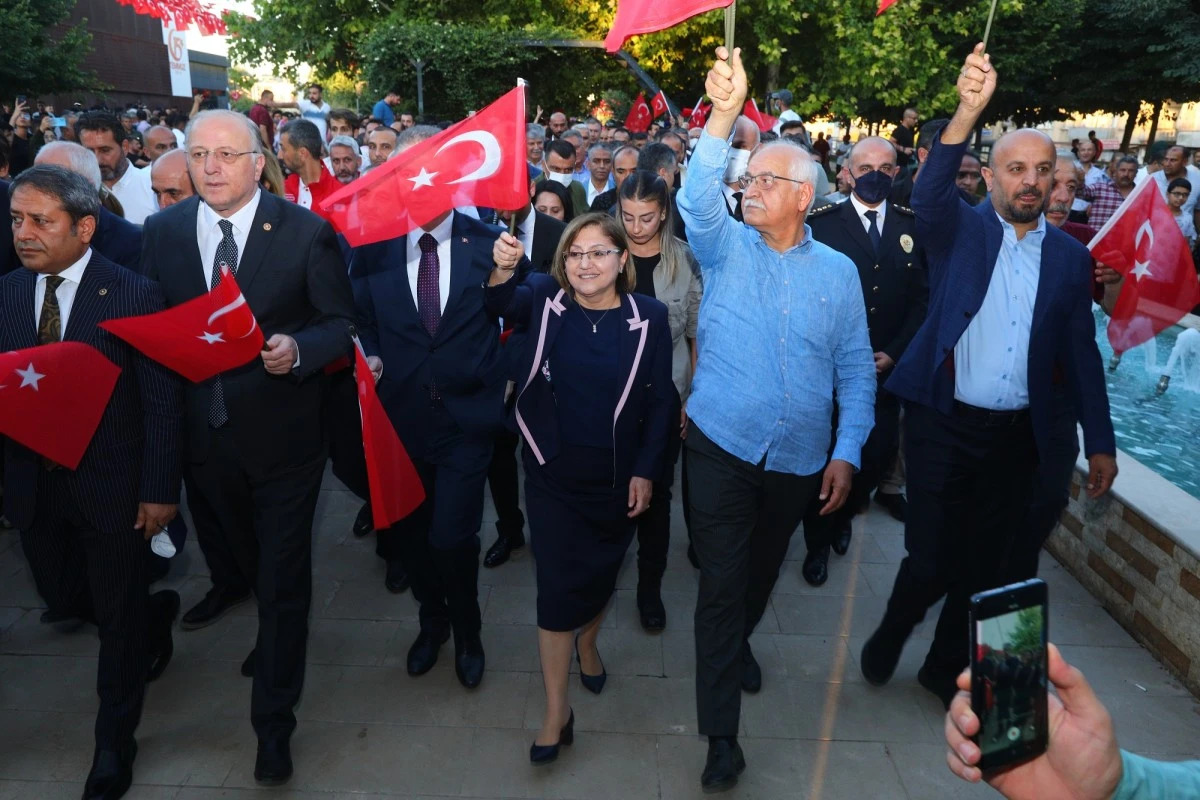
<point x="640" y="116"/>
<point x="1143" y="242"/>
<point x="647" y="16"/>
<point x="395" y="487"/>
<point x="477" y="162"/>
<point x="884" y="5"/>
<point x="658" y="106"/>
<point x="198" y="339"/>
<point x="52" y="398"/>
<point x="765" y="122"/>
<point x="699" y="114"/>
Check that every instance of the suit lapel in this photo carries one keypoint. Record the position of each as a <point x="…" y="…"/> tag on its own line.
<point x="854" y="227"/>
<point x="633" y="344"/>
<point x="91" y="298"/>
<point x="259" y="239"/>
<point x="25" y="327"/>
<point x="396" y="271"/>
<point x="1048" y="276"/>
<point x="195" y="270"/>
<point x="993" y="238"/>
<point x="890" y="223"/>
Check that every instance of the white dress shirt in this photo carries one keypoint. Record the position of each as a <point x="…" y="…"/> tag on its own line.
<point x="135" y="194"/>
<point x="209" y="235"/>
<point x="526" y="236"/>
<point x="862" y="209"/>
<point x="71" y="276"/>
<point x="442" y="234"/>
<point x="991" y="360"/>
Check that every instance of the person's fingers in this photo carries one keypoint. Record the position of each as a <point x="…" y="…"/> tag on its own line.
<point x="1093" y="476"/>
<point x="826" y="484"/>
<point x="722" y="53"/>
<point x="963" y="681"/>
<point x="962" y="715"/>
<point x="970" y="774"/>
<point x="966" y="751"/>
<point x="1073" y="689"/>
<point x="141" y="519"/>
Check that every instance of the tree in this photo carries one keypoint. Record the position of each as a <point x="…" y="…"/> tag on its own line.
<point x="1027" y="634"/>
<point x="37" y="60"/>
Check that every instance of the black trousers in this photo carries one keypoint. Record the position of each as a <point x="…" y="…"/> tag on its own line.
<point x="1050" y="493"/>
<point x="968" y="489"/>
<point x="255" y="528"/>
<point x="743" y="517"/>
<point x="439" y="542"/>
<point x="345" y="433"/>
<point x="654" y="526"/>
<point x="502" y="480"/>
<point x="99" y="576"/>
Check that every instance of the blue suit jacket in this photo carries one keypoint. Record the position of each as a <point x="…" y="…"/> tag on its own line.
<point x="642" y="406"/>
<point x="463" y="359"/>
<point x="118" y="240"/>
<point x="134" y="455"/>
<point x="1063" y="339"/>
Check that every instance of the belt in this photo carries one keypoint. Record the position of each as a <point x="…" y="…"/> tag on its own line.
<point x="990" y="418"/>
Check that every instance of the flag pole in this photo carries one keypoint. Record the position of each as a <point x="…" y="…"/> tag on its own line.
<point x="512" y="218"/>
<point x="988" y="30"/>
<point x="730" y="14"/>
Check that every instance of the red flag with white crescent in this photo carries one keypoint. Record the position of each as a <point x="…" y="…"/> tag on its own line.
<point x="658" y="106"/>
<point x="647" y="16"/>
<point x="198" y="339"/>
<point x="640" y="116"/>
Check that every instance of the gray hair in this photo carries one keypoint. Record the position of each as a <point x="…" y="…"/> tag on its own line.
<point x="572" y="133"/>
<point x="1127" y="159"/>
<point x="656" y="156"/>
<point x="597" y="148"/>
<point x="83" y="161"/>
<point x="256" y="144"/>
<point x="78" y="197"/>
<point x="801" y="167"/>
<point x="622" y="149"/>
<point x="414" y="135"/>
<point x="344" y="141"/>
<point x="535" y="131"/>
<point x="302" y="133"/>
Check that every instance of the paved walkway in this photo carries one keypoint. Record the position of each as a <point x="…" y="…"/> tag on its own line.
<point x="369" y="730"/>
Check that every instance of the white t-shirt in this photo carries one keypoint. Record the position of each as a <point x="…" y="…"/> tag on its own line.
<point x="786" y="116"/>
<point x="135" y="194"/>
<point x="317" y="115"/>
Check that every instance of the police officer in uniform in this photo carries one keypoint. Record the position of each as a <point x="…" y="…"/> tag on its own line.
<point x="879" y="237"/>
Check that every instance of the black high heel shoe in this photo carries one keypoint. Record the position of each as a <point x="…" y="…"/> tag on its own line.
<point x="593" y="683"/>
<point x="540" y="754"/>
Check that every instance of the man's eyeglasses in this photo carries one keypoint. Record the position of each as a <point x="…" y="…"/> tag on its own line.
<point x="764" y="180"/>
<point x="574" y="257"/>
<point x="1184" y="195"/>
<point x="224" y="156"/>
<point x="969" y="175"/>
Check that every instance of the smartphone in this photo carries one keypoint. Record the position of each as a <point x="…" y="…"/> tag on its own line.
<point x="1008" y="672"/>
<point x="21" y="99"/>
<point x="58" y="122"/>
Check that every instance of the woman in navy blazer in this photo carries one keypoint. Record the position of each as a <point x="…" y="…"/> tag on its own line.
<point x="594" y="399"/>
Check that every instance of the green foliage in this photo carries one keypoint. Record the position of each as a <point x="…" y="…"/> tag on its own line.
<point x="1027" y="635"/>
<point x="35" y="60"/>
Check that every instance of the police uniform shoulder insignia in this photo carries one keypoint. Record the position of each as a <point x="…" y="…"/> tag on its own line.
<point x="823" y="209"/>
<point x="905" y="210"/>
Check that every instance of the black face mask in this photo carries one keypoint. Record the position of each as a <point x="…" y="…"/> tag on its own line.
<point x="873" y="187"/>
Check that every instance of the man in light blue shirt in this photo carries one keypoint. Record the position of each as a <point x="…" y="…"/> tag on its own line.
<point x="782" y="329"/>
<point x="383" y="109"/>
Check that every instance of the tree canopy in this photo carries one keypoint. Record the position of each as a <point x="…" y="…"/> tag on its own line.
<point x="37" y="60"/>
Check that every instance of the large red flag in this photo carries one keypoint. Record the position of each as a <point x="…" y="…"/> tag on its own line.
<point x="1143" y="242"/>
<point x="52" y="398"/>
<point x="658" y="106"/>
<point x="647" y="16"/>
<point x="477" y="162"/>
<point x="198" y="339"/>
<point x="640" y="116"/>
<point x="765" y="122"/>
<point x="394" y="484"/>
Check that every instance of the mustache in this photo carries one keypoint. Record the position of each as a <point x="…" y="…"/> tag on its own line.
<point x="753" y="204"/>
<point x="1058" y="208"/>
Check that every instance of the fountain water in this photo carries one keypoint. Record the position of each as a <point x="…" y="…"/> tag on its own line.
<point x="1186" y="355"/>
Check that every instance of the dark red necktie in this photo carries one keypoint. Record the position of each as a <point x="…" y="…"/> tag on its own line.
<point x="429" y="299"/>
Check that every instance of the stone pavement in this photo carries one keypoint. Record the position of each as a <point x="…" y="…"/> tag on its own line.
<point x="368" y="730"/>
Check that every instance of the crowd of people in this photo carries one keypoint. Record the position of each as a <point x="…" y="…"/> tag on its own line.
<point x="799" y="326"/>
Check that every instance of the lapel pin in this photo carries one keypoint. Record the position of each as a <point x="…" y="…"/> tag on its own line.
<point x="465" y="240"/>
<point x="266" y="226"/>
<point x="906" y="242"/>
<point x="103" y="292"/>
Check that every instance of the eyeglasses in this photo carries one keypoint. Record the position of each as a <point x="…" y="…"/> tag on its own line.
<point x="763" y="180"/>
<point x="574" y="257"/>
<point x="968" y="175"/>
<point x="224" y="156"/>
<point x="1184" y="195"/>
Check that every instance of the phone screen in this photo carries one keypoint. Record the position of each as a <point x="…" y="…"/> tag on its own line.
<point x="1008" y="672"/>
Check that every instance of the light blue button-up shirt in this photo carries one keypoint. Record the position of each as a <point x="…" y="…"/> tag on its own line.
<point x="778" y="333"/>
<point x="991" y="360"/>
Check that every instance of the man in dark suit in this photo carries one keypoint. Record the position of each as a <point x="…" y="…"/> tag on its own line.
<point x="879" y="237"/>
<point x="1009" y="312"/>
<point x="539" y="234"/>
<point x="420" y="298"/>
<point x="84" y="531"/>
<point x="255" y="445"/>
<point x="8" y="256"/>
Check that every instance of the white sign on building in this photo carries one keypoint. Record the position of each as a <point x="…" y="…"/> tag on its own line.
<point x="177" y="57"/>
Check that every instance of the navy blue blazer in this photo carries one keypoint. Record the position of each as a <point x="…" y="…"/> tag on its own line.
<point x="8" y="256"/>
<point x="135" y="454"/>
<point x="118" y="240"/>
<point x="463" y="359"/>
<point x="642" y="410"/>
<point x="1063" y="338"/>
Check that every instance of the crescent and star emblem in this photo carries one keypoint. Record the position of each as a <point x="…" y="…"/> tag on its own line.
<point x="1142" y="268"/>
<point x="211" y="338"/>
<point x="492" y="157"/>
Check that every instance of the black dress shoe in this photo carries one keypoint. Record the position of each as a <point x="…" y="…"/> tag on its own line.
<point x="841" y="542"/>
<point x="363" y="524"/>
<point x="896" y="504"/>
<point x="751" y="671"/>
<point x="111" y="774"/>
<point x="248" y="665"/>
<point x="273" y="766"/>
<point x="725" y="763"/>
<point x="593" y="683"/>
<point x="651" y="609"/>
<point x="816" y="566"/>
<point x="880" y="655"/>
<point x="541" y="754"/>
<point x="499" y="552"/>
<point x="62" y="621"/>
<point x="396" y="579"/>
<point x="424" y="652"/>
<point x="164" y="608"/>
<point x="942" y="685"/>
<point x="469" y="660"/>
<point x="216" y="604"/>
<point x="692" y="557"/>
